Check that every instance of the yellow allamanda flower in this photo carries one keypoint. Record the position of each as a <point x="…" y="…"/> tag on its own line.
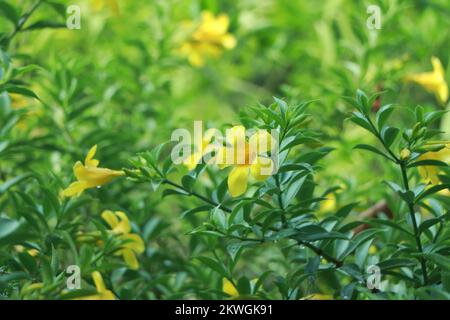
<point x="245" y="158"/>
<point x="328" y="205"/>
<point x="99" y="5"/>
<point x="201" y="148"/>
<point x="90" y="175"/>
<point x="102" y="292"/>
<point x="133" y="243"/>
<point x="229" y="288"/>
<point x="433" y="81"/>
<point x="31" y="252"/>
<point x="209" y="39"/>
<point x="430" y="173"/>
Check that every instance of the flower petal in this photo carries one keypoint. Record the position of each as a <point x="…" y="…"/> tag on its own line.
<point x="261" y="168"/>
<point x="130" y="259"/>
<point x="229" y="288"/>
<point x="98" y="281"/>
<point x="110" y="218"/>
<point x="237" y="180"/>
<point x="133" y="242"/>
<point x="124" y="225"/>
<point x="75" y="189"/>
<point x="89" y="161"/>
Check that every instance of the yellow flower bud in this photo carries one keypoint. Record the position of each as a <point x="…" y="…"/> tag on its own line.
<point x="405" y="154"/>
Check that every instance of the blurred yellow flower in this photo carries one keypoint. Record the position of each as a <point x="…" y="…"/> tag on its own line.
<point x="27" y="289"/>
<point x="430" y="173"/>
<point x="99" y="5"/>
<point x="245" y="157"/>
<point x="201" y="148"/>
<point x="373" y="249"/>
<point x="89" y="175"/>
<point x="133" y="243"/>
<point x="434" y="81"/>
<point x="329" y="204"/>
<point x="229" y="288"/>
<point x="102" y="292"/>
<point x="209" y="39"/>
<point x="31" y="252"/>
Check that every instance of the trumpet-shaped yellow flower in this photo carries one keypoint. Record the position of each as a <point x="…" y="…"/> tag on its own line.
<point x="90" y="175"/>
<point x="201" y="148"/>
<point x="433" y="81"/>
<point x="209" y="39"/>
<point x="430" y="173"/>
<point x="245" y="158"/>
<point x="99" y="5"/>
<point x="102" y="292"/>
<point x="133" y="243"/>
<point x="229" y="288"/>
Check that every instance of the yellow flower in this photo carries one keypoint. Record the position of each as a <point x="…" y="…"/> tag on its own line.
<point x="329" y="204"/>
<point x="430" y="173"/>
<point x="31" y="252"/>
<point x="245" y="157"/>
<point x="373" y="249"/>
<point x="99" y="5"/>
<point x="433" y="82"/>
<point x="229" y="288"/>
<point x="102" y="292"/>
<point x="201" y="148"/>
<point x="89" y="175"/>
<point x="18" y="101"/>
<point x="209" y="39"/>
<point x="133" y="243"/>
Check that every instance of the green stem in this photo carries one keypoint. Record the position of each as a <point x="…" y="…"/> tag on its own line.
<point x="280" y="202"/>
<point x="23" y="20"/>
<point x="322" y="253"/>
<point x="195" y="194"/>
<point x="414" y="222"/>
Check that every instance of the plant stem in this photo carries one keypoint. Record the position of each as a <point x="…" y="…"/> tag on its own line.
<point x="23" y="20"/>
<point x="414" y="222"/>
<point x="195" y="194"/>
<point x="280" y="202"/>
<point x="320" y="252"/>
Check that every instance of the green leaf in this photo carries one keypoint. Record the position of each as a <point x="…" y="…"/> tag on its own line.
<point x="173" y="192"/>
<point x="314" y="232"/>
<point x="19" y="90"/>
<point x="8" y="227"/>
<point x="363" y="100"/>
<point x="44" y="24"/>
<point x="13" y="181"/>
<point x="372" y="149"/>
<point x="383" y="115"/>
<point x="9" y="12"/>
<point x="432" y="190"/>
<point x="429" y="162"/>
<point x="396" y="263"/>
<point x="345" y="210"/>
<point x="388" y="134"/>
<point x="214" y="265"/>
<point x="361" y="121"/>
<point x="439" y="260"/>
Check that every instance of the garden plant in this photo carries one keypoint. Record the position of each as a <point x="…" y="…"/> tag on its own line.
<point x="209" y="149"/>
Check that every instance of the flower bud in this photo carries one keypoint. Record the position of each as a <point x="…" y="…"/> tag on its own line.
<point x="405" y="154"/>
